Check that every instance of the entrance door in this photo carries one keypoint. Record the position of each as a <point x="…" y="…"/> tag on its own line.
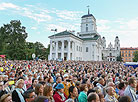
<point x="65" y="58"/>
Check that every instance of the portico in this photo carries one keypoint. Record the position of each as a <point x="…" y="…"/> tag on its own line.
<point x="61" y="49"/>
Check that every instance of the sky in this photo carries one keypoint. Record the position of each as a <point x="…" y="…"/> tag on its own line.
<point x="113" y="17"/>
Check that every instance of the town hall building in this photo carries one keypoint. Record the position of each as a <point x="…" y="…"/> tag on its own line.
<point x="86" y="46"/>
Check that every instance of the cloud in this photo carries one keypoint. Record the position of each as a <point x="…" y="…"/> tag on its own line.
<point x="102" y="21"/>
<point x="68" y="15"/>
<point x="29" y="11"/>
<point x="4" y="6"/>
<point x="33" y="28"/>
<point x="127" y="30"/>
<point x="103" y="25"/>
<point x="39" y="17"/>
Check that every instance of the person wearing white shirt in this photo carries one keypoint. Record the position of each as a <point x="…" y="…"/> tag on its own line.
<point x="131" y="90"/>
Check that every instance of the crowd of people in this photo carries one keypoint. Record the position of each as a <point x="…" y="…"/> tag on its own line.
<point x="67" y="81"/>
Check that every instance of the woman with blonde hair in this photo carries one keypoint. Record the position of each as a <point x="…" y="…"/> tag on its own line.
<point x="17" y="94"/>
<point x="48" y="92"/>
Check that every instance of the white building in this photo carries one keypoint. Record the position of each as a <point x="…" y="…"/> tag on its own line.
<point x="86" y="46"/>
<point x="111" y="52"/>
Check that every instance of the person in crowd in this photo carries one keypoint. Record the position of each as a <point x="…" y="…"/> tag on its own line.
<point x="20" y="75"/>
<point x="6" y="98"/>
<point x="121" y="88"/>
<point x="50" y="80"/>
<point x="101" y="74"/>
<point x="111" y="84"/>
<point x="93" y="97"/>
<point x="124" y="99"/>
<point x="97" y="89"/>
<point x="110" y="95"/>
<point x="2" y="88"/>
<point x="90" y="91"/>
<point x="1" y="85"/>
<point x="39" y="89"/>
<point x="48" y="92"/>
<point x="1" y="78"/>
<point x="28" y="82"/>
<point x="131" y="89"/>
<point x="77" y="84"/>
<point x="66" y="84"/>
<point x="83" y="94"/>
<point x="5" y="78"/>
<point x="58" y="80"/>
<point x="41" y="99"/>
<point x="101" y="84"/>
<point x="34" y="82"/>
<point x="9" y="87"/>
<point x="116" y="87"/>
<point x="59" y="95"/>
<point x="73" y="94"/>
<point x="101" y="97"/>
<point x="17" y="94"/>
<point x="29" y="95"/>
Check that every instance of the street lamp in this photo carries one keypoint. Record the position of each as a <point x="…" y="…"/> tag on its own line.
<point x="54" y="30"/>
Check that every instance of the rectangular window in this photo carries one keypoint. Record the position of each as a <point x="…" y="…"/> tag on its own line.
<point x="77" y="48"/>
<point x="86" y="49"/>
<point x="86" y="29"/>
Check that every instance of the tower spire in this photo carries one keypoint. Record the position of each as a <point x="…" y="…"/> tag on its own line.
<point x="88" y="10"/>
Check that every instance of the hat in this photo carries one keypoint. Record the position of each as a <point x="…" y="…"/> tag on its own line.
<point x="59" y="86"/>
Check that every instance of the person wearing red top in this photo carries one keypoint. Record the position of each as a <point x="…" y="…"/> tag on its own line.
<point x="59" y="95"/>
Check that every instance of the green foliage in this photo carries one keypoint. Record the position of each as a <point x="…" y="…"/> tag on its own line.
<point x="135" y="59"/>
<point x="13" y="37"/>
<point x="14" y="46"/>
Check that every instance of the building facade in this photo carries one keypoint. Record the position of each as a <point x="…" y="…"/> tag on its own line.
<point x="86" y="46"/>
<point x="111" y="52"/>
<point x="127" y="54"/>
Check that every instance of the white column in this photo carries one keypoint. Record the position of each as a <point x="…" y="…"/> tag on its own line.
<point x="73" y="52"/>
<point x="50" y="50"/>
<point x="68" y="49"/>
<point x="94" y="52"/>
<point x="62" y="53"/>
<point x="56" y="52"/>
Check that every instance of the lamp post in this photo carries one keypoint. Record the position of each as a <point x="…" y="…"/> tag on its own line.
<point x="54" y="30"/>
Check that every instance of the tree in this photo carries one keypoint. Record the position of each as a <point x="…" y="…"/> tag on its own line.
<point x="119" y="58"/>
<point x="30" y="49"/>
<point x="135" y="59"/>
<point x="40" y="50"/>
<point x="13" y="37"/>
<point x="47" y="51"/>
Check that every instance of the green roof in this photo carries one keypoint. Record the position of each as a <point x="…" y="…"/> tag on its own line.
<point x="62" y="33"/>
<point x="69" y="33"/>
<point x="94" y="38"/>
